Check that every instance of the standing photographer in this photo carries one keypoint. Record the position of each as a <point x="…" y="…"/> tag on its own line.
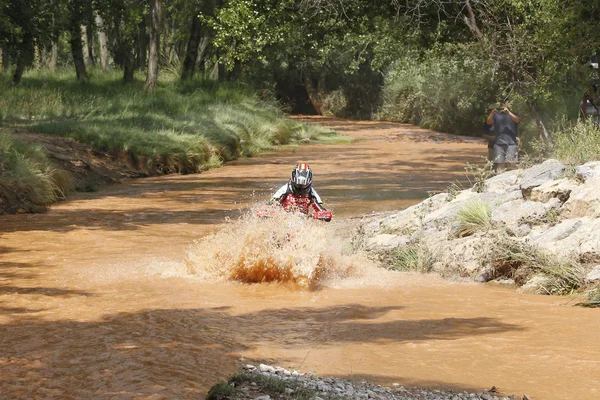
<point x="505" y="128"/>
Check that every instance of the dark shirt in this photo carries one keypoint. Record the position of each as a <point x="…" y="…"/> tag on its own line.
<point x="506" y="128"/>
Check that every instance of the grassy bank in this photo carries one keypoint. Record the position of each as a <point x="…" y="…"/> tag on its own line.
<point x="179" y="128"/>
<point x="27" y="177"/>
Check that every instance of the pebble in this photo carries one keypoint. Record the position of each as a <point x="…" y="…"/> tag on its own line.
<point x="340" y="388"/>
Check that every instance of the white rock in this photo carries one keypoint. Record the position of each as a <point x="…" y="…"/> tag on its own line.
<point x="505" y="182"/>
<point x="594" y="274"/>
<point x="516" y="212"/>
<point x="264" y="397"/>
<point x="584" y="200"/>
<point x="560" y="189"/>
<point x="588" y="170"/>
<point x="540" y="174"/>
<point x="386" y="240"/>
<point x="266" y="368"/>
<point x="536" y="285"/>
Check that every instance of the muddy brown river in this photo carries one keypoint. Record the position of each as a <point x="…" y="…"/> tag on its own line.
<point x="97" y="301"/>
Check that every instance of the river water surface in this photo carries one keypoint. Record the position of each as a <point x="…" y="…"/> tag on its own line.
<point x="97" y="299"/>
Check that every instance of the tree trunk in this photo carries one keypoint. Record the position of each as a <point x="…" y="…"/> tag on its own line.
<point x="542" y="131"/>
<point x="90" y="43"/>
<point x="191" y="54"/>
<point x="201" y="62"/>
<point x="77" y="51"/>
<point x="102" y="50"/>
<point x="25" y="59"/>
<point x="128" y="70"/>
<point x="5" y="57"/>
<point x="471" y="22"/>
<point x="84" y="43"/>
<point x="44" y="57"/>
<point x="156" y="21"/>
<point x="314" y="92"/>
<point x="53" y="56"/>
<point x="141" y="45"/>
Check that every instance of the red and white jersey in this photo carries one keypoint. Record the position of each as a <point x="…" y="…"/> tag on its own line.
<point x="305" y="203"/>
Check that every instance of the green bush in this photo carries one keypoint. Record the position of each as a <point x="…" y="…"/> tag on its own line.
<point x="521" y="261"/>
<point x="474" y="217"/>
<point x="413" y="257"/>
<point x="439" y="91"/>
<point x="576" y="143"/>
<point x="27" y="178"/>
<point x="180" y="127"/>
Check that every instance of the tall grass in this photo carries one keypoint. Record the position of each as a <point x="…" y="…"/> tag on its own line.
<point x="521" y="261"/>
<point x="415" y="257"/>
<point x="576" y="143"/>
<point x="180" y="127"/>
<point x="438" y="91"/>
<point x="473" y="217"/>
<point x="27" y="178"/>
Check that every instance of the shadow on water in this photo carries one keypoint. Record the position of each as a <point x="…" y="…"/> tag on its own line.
<point x="178" y="352"/>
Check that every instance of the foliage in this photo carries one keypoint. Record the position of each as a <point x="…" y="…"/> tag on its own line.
<point x="576" y="143"/>
<point x="520" y="261"/>
<point x="221" y="391"/>
<point x="478" y="175"/>
<point x="440" y="90"/>
<point x="413" y="257"/>
<point x="179" y="128"/>
<point x="276" y="388"/>
<point x="27" y="178"/>
<point x="473" y="217"/>
<point x="593" y="299"/>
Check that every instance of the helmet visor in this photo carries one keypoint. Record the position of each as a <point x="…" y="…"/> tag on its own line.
<point x="302" y="179"/>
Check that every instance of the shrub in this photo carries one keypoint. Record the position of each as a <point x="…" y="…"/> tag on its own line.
<point x="445" y="92"/>
<point x="27" y="177"/>
<point x="221" y="391"/>
<point x="414" y="257"/>
<point x="180" y="127"/>
<point x="576" y="143"/>
<point x="593" y="298"/>
<point x="474" y="217"/>
<point x="520" y="261"/>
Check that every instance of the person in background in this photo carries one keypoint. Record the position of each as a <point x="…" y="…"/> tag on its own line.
<point x="590" y="104"/>
<point x="506" y="146"/>
<point x="488" y="134"/>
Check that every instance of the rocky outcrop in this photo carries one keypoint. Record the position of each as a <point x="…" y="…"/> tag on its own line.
<point x="538" y="207"/>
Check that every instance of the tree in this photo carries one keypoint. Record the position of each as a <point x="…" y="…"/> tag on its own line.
<point x="156" y="20"/>
<point x="24" y="25"/>
<point x="102" y="42"/>
<point x="78" y="12"/>
<point x="122" y="19"/>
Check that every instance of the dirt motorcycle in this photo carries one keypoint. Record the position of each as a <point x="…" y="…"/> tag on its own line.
<point x="272" y="210"/>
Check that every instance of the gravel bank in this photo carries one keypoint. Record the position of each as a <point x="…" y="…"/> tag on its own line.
<point x="266" y="382"/>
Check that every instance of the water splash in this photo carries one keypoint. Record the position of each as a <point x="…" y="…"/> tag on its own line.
<point x="284" y="248"/>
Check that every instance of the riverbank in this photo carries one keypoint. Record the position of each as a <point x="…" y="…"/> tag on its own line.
<point x="536" y="229"/>
<point x="266" y="382"/>
<point x="58" y="136"/>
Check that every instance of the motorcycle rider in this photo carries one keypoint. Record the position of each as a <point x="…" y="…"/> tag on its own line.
<point x="299" y="195"/>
